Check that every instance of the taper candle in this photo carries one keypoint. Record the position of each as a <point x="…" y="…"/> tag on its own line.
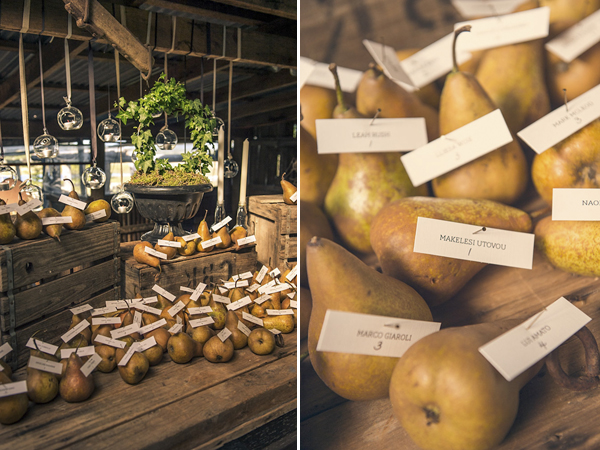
<point x="244" y="178"/>
<point x="221" y="150"/>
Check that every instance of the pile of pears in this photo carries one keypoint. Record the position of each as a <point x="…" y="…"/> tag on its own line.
<point x="229" y="239"/>
<point x="359" y="211"/>
<point x="181" y="345"/>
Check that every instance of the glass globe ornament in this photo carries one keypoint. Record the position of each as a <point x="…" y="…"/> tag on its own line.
<point x="70" y="118"/>
<point x="219" y="124"/>
<point x="109" y="130"/>
<point x="230" y="168"/>
<point x="8" y="177"/>
<point x="30" y="191"/>
<point x="157" y="114"/>
<point x="45" y="146"/>
<point x="93" y="177"/>
<point x="166" y="139"/>
<point x="122" y="202"/>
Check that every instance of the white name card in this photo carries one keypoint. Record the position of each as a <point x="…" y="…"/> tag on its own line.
<point x="42" y="346"/>
<point x="81" y="309"/>
<point x="198" y="291"/>
<point x="56" y="220"/>
<point x="200" y="310"/>
<point x="211" y="242"/>
<point x="71" y="202"/>
<point x="155" y="253"/>
<point x="221" y="224"/>
<point x="261" y="274"/>
<point x="239" y="304"/>
<point x="575" y="40"/>
<point x="81" y="351"/>
<point x="75" y="330"/>
<point x="91" y="364"/>
<point x="106" y="320"/>
<point x="220" y="299"/>
<point x="110" y="342"/>
<point x="174" y="244"/>
<point x="385" y="57"/>
<point x="191" y="237"/>
<point x="576" y="204"/>
<point x="5" y="349"/>
<point x="201" y="322"/>
<point x="17" y="387"/>
<point x="246" y="240"/>
<point x="95" y="215"/>
<point x="166" y="294"/>
<point x="124" y="331"/>
<point x="471" y="9"/>
<point x="224" y="334"/>
<point x="28" y="206"/>
<point x="321" y="76"/>
<point x="153" y="326"/>
<point x="253" y="319"/>
<point x="45" y="365"/>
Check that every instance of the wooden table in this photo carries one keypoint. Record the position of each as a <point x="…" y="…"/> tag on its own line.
<point x="549" y="417"/>
<point x="187" y="406"/>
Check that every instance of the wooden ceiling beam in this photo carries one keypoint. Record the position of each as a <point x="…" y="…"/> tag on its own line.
<point x="269" y="118"/>
<point x="280" y="8"/>
<point x="257" y="85"/>
<point x="265" y="104"/>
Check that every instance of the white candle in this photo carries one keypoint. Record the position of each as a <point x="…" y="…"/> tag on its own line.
<point x="244" y="178"/>
<point x="122" y="209"/>
<point x="220" y="193"/>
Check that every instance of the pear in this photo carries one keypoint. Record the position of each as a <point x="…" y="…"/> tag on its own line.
<point x="566" y="13"/>
<point x="500" y="175"/>
<point x="136" y="368"/>
<point x="316" y="103"/>
<point x="13" y="407"/>
<point x="305" y="309"/>
<point x="74" y="385"/>
<point x="376" y="92"/>
<point x="436" y="278"/>
<point x="239" y="339"/>
<point x="200" y="335"/>
<point x="142" y="257"/>
<point x="109" y="358"/>
<point x="96" y="206"/>
<point x="51" y="230"/>
<point x="169" y="251"/>
<point x="225" y="237"/>
<point x="447" y="395"/>
<point x="570" y="245"/>
<point x="187" y="248"/>
<point x="217" y="351"/>
<point x="103" y="330"/>
<point x="7" y="229"/>
<point x="288" y="190"/>
<point x="161" y="335"/>
<point x="313" y="223"/>
<point x="572" y="163"/>
<point x="339" y="280"/>
<point x="316" y="171"/>
<point x="218" y="313"/>
<point x="154" y="355"/>
<point x="76" y="214"/>
<point x="363" y="184"/>
<point x="259" y="310"/>
<point x="181" y="348"/>
<point x="42" y="386"/>
<point x="285" y="324"/>
<point x="261" y="341"/>
<point x="204" y="233"/>
<point x="29" y="226"/>
<point x="236" y="233"/>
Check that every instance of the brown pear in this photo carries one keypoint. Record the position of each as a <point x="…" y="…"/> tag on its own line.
<point x="42" y="386"/>
<point x="161" y="335"/>
<point x="142" y="257"/>
<point x="285" y="323"/>
<point x="225" y="237"/>
<point x="77" y="215"/>
<point x="239" y="339"/>
<point x="314" y="223"/>
<point x="305" y="309"/>
<point x="205" y="235"/>
<point x="154" y="355"/>
<point x="217" y="351"/>
<point x="4" y="367"/>
<point x="219" y="314"/>
<point x="7" y="229"/>
<point x="237" y="233"/>
<point x="428" y="94"/>
<point x="181" y="348"/>
<point x="288" y="191"/>
<point x="28" y="226"/>
<point x="316" y="103"/>
<point x="74" y="385"/>
<point x="200" y="335"/>
<point x="13" y="407"/>
<point x="169" y="251"/>
<point x="53" y="230"/>
<point x="136" y="368"/>
<point x="109" y="358"/>
<point x="187" y="248"/>
<point x="316" y="171"/>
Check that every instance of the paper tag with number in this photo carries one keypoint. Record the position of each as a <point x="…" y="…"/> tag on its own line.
<point x="72" y="202"/>
<point x="81" y="351"/>
<point x="91" y="364"/>
<point x="234" y="284"/>
<point x="95" y="215"/>
<point x="246" y="240"/>
<point x="224" y="334"/>
<point x="576" y="40"/>
<point x="191" y="237"/>
<point x="110" y="342"/>
<point x="457" y="148"/>
<point x="263" y="298"/>
<point x="243" y="328"/>
<point x="261" y="274"/>
<point x="243" y="276"/>
<point x="5" y="349"/>
<point x="385" y="57"/>
<point x="176" y="328"/>
<point x="45" y="365"/>
<point x="7" y="209"/>
<point x="17" y="387"/>
<point x="56" y="220"/>
<point x="520" y="348"/>
<point x="252" y="288"/>
<point x="153" y="326"/>
<point x="278" y="288"/>
<point x="155" y="253"/>
<point x="253" y="319"/>
<point x="146" y="344"/>
<point x="146" y="308"/>
<point x="471" y="9"/>
<point x="221" y="224"/>
<point x="137" y="318"/>
<point x="576" y="204"/>
<point x="173" y="310"/>
<point x="28" y="206"/>
<point x="105" y="310"/>
<point x="106" y="320"/>
<point x="166" y="294"/>
<point x="201" y="322"/>
<point x="196" y="293"/>
<point x="240" y="303"/>
<point x="292" y="273"/>
<point x="293" y="304"/>
<point x="41" y="346"/>
<point x="366" y="334"/>
<point x="200" y="310"/>
<point x="117" y="304"/>
<point x="220" y="299"/>
<point x="472" y="243"/>
<point x="211" y="242"/>
<point x="264" y="288"/>
<point x="125" y="331"/>
<point x="75" y="330"/>
<point x="279" y="312"/>
<point x="321" y="76"/>
<point x="174" y="244"/>
<point x="81" y="309"/>
<point x="125" y="359"/>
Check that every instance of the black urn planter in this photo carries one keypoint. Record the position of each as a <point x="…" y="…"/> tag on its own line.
<point x="167" y="206"/>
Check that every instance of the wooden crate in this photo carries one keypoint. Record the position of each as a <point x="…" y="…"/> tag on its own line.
<point x="275" y="226"/>
<point x="41" y="279"/>
<point x="138" y="279"/>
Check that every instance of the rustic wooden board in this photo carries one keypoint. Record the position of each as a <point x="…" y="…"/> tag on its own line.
<point x="273" y="208"/>
<point x="63" y="292"/>
<point x="195" y="405"/>
<point x="46" y="257"/>
<point x="185" y="271"/>
<point x="53" y="327"/>
<point x="549" y="416"/>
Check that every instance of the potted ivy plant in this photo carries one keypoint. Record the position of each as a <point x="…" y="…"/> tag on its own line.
<point x="164" y="193"/>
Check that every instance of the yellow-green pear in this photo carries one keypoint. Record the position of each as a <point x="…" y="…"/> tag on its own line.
<point x="7" y="229"/>
<point x="76" y="214"/>
<point x="99" y="205"/>
<point x="28" y="226"/>
<point x="13" y="407"/>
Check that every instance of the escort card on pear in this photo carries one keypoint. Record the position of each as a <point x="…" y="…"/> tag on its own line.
<point x="201" y="322"/>
<point x="563" y="121"/>
<point x="200" y="310"/>
<point x="243" y="328"/>
<point x="520" y="348"/>
<point x="198" y="291"/>
<point x="95" y="215"/>
<point x="191" y="237"/>
<point x="575" y="40"/>
<point x="385" y="57"/>
<point x="224" y="334"/>
<point x="105" y="320"/>
<point x="242" y="276"/>
<point x="152" y="326"/>
<point x="125" y="331"/>
<point x="45" y="365"/>
<point x="7" y="209"/>
<point x="221" y="299"/>
<point x="575" y="204"/>
<point x="368" y="135"/>
<point x="41" y="346"/>
<point x="72" y="202"/>
<point x="238" y="304"/>
<point x="321" y="76"/>
<point x="261" y="274"/>
<point x="75" y="330"/>
<point x="251" y="318"/>
<point x="367" y="334"/>
<point x="472" y="9"/>
<point x="81" y="351"/>
<point x="211" y="242"/>
<point x="82" y="308"/>
<point x="306" y="67"/>
<point x="17" y="387"/>
<point x="28" y="206"/>
<point x="457" y="148"/>
<point x="156" y="253"/>
<point x="91" y="364"/>
<point x="464" y="241"/>
<point x="5" y="349"/>
<point x="111" y="342"/>
<point x="509" y="29"/>
<point x="221" y="224"/>
<point x="56" y="220"/>
<point x="163" y="243"/>
<point x="248" y="239"/>
<point x="166" y="294"/>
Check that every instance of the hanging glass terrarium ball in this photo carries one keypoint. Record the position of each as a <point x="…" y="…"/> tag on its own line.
<point x="109" y="130"/>
<point x="122" y="202"/>
<point x="218" y="125"/>
<point x="45" y="146"/>
<point x="230" y="168"/>
<point x="166" y="139"/>
<point x="93" y="177"/>
<point x="8" y="177"/>
<point x="30" y="191"/>
<point x="70" y="118"/>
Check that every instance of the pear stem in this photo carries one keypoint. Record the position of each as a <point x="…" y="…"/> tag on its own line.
<point x="456" y="33"/>
<point x="338" y="87"/>
<point x="70" y="181"/>
<point x="205" y="213"/>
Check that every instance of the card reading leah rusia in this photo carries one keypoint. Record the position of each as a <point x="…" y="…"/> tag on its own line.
<point x="221" y="224"/>
<point x="14" y="388"/>
<point x="56" y="220"/>
<point x="472" y="243"/>
<point x="163" y="243"/>
<point x="45" y="365"/>
<point x="166" y="294"/>
<point x="110" y="342"/>
<point x="491" y="32"/>
<point x="28" y="206"/>
<point x="75" y="330"/>
<point x="432" y="62"/>
<point x="191" y="237"/>
<point x="370" y="136"/>
<point x="385" y="57"/>
<point x="261" y="274"/>
<point x="321" y="76"/>
<point x="577" y="39"/>
<point x="91" y="364"/>
<point x="81" y="309"/>
<point x="471" y="9"/>
<point x="247" y="240"/>
<point x="224" y="334"/>
<point x="253" y="319"/>
<point x="153" y="326"/>
<point x="156" y="253"/>
<point x="576" y="204"/>
<point x="240" y="303"/>
<point x="124" y="331"/>
<point x="5" y="349"/>
<point x="457" y="148"/>
<point x="520" y="348"/>
<point x="563" y="121"/>
<point x="243" y="328"/>
<point x="366" y="334"/>
<point x="72" y="202"/>
<point x="41" y="346"/>
<point x="95" y="215"/>
<point x="211" y="242"/>
<point x="198" y="291"/>
<point x="195" y="323"/>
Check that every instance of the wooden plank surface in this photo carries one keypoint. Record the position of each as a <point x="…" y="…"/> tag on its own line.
<point x="46" y="257"/>
<point x="195" y="405"/>
<point x="274" y="209"/>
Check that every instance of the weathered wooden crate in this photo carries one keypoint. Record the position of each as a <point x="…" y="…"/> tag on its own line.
<point x="275" y="226"/>
<point x="138" y="279"/>
<point x="41" y="279"/>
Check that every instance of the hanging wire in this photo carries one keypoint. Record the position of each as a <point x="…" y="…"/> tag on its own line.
<point x="42" y="87"/>
<point x="24" y="107"/>
<point x="118" y="75"/>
